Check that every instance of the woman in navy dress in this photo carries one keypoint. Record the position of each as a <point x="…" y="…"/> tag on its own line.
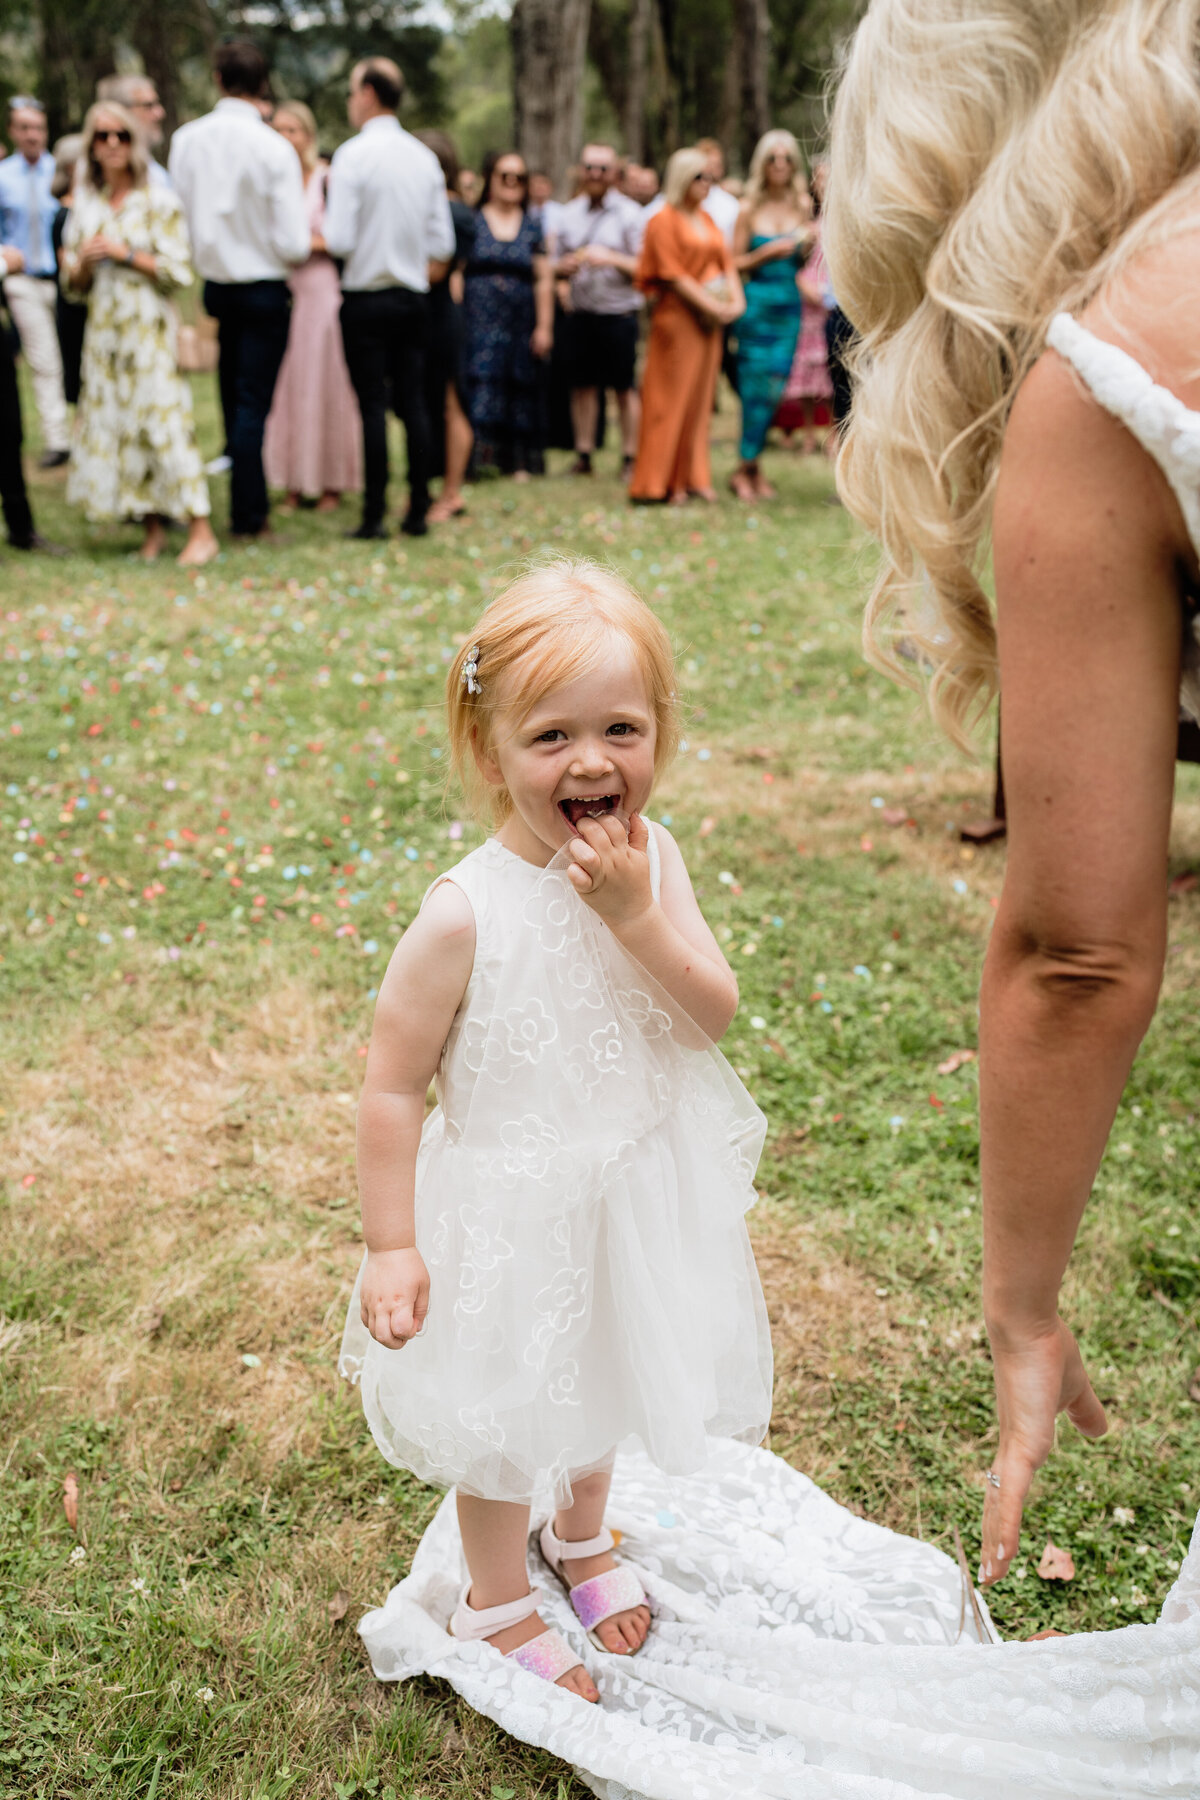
<point x="509" y="302"/>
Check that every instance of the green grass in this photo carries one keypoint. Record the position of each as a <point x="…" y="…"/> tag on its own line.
<point x="225" y="793"/>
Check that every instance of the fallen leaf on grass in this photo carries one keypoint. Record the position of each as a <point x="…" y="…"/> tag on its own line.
<point x="1183" y="884"/>
<point x="218" y="1061"/>
<point x="339" y="1605"/>
<point x="775" y="1045"/>
<point x="707" y="826"/>
<point x="1056" y="1564"/>
<point x="71" y="1499"/>
<point x="955" y="1061"/>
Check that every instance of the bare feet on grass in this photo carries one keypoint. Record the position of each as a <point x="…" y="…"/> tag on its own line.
<point x="201" y="545"/>
<point x="154" y="540"/>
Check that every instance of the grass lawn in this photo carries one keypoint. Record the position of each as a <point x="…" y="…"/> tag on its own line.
<point x="224" y="796"/>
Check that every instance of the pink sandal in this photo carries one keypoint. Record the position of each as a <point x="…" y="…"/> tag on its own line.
<point x="547" y="1655"/>
<point x="617" y="1591"/>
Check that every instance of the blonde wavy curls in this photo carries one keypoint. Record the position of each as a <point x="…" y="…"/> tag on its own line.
<point x="993" y="163"/>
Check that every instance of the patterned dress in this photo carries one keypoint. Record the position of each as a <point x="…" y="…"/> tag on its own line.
<point x="503" y="380"/>
<point x="135" y="450"/>
<point x="766" y="342"/>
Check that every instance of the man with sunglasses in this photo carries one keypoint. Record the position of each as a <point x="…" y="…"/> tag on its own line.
<point x="388" y="217"/>
<point x="599" y="235"/>
<point x="30" y="267"/>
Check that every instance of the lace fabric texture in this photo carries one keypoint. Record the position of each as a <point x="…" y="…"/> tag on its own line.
<point x="581" y="1191"/>
<point x="1166" y="429"/>
<point x="801" y="1653"/>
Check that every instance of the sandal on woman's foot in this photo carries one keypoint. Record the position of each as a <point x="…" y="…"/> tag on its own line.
<point x="601" y="1598"/>
<point x="548" y="1655"/>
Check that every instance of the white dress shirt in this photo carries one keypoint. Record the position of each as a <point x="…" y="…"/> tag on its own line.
<point x="722" y="208"/>
<point x="242" y="188"/>
<point x="386" y="212"/>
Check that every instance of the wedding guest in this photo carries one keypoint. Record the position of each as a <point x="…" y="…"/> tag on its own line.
<point x="243" y="195"/>
<point x="599" y="237"/>
<point x="509" y="297"/>
<point x="450" y="431"/>
<point x="69" y="317"/>
<point x="719" y="204"/>
<point x="771" y="241"/>
<point x="311" y="446"/>
<point x="14" y="498"/>
<point x="809" y="384"/>
<point x="27" y="210"/>
<point x="139" y="96"/>
<point x="688" y="268"/>
<point x="126" y="249"/>
<point x="469" y="186"/>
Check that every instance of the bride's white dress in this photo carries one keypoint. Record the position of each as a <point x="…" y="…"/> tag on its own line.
<point x="801" y="1653"/>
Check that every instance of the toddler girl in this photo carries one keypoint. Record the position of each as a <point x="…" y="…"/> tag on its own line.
<point x="556" y="1258"/>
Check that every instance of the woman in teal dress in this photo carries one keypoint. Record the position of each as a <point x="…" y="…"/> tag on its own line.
<point x="772" y="240"/>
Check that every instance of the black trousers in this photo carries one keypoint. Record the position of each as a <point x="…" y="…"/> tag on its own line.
<point x="252" y="331"/>
<point x="13" y="498"/>
<point x="838" y="334"/>
<point x="384" y="335"/>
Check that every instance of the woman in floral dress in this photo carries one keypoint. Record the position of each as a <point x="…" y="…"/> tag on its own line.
<point x="509" y="302"/>
<point x="126" y="248"/>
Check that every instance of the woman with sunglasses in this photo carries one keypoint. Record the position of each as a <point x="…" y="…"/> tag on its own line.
<point x="126" y="249"/>
<point x="509" y="302"/>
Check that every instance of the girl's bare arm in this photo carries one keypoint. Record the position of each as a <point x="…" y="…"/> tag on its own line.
<point x="418" y="998"/>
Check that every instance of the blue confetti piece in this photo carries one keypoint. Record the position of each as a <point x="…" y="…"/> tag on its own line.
<point x="826" y="1007"/>
<point x="666" y="1520"/>
<point x="959" y="885"/>
<point x="412" y="853"/>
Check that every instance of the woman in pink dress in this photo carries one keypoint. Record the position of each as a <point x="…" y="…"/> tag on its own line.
<point x="313" y="444"/>
<point x="809" y="384"/>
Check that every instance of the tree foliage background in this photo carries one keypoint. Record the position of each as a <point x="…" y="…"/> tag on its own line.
<point x="658" y="73"/>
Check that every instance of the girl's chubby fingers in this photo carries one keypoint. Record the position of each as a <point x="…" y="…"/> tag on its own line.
<point x="579" y="878"/>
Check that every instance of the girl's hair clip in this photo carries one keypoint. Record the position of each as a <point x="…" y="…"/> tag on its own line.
<point x="470" y="670"/>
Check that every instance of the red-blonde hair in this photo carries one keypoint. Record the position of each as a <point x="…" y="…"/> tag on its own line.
<point x="553" y="624"/>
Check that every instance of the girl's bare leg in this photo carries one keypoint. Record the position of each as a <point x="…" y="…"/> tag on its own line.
<point x="625" y="1631"/>
<point x="494" y="1535"/>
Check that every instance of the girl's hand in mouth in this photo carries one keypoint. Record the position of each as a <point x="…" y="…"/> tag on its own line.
<point x="610" y="866"/>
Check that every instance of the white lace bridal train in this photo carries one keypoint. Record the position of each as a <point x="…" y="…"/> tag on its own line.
<point x="801" y="1653"/>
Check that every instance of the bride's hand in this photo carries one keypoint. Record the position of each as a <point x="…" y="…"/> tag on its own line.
<point x="1039" y="1373"/>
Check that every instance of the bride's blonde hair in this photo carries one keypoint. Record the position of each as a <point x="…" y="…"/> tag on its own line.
<point x="993" y="162"/>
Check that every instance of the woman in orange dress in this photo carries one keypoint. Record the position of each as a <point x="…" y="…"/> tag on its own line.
<point x="687" y="269"/>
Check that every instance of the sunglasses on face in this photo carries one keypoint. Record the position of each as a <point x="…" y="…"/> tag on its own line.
<point x="111" y="137"/>
<point x="512" y="178"/>
<point x="597" y="168"/>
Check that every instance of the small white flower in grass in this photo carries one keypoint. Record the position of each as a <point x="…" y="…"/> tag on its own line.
<point x="1124" y="1515"/>
<point x="138" y="1586"/>
<point x="78" y="1554"/>
<point x="206" y="1694"/>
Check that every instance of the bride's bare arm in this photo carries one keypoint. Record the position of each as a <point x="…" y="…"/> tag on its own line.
<point x="1089" y="547"/>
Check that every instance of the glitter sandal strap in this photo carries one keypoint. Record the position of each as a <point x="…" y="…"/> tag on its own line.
<point x="471" y="1623"/>
<point x="548" y="1656"/>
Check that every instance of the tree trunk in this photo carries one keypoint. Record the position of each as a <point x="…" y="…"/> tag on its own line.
<point x="76" y="50"/>
<point x="165" y="36"/>
<point x="636" y="88"/>
<point x="549" y="42"/>
<point x="752" y="30"/>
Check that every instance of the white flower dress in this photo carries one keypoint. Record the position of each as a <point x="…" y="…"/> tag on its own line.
<point x="580" y="1200"/>
<point x="134" y="451"/>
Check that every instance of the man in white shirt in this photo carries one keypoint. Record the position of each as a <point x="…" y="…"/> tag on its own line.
<point x="242" y="189"/>
<point x="721" y="206"/>
<point x="388" y="216"/>
<point x="29" y="267"/>
<point x="599" y="236"/>
<point x="139" y="96"/>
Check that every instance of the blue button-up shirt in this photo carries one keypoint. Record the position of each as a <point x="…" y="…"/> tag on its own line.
<point x="25" y="195"/>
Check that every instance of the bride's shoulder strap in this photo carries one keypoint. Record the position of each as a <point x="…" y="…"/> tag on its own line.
<point x="1166" y="429"/>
